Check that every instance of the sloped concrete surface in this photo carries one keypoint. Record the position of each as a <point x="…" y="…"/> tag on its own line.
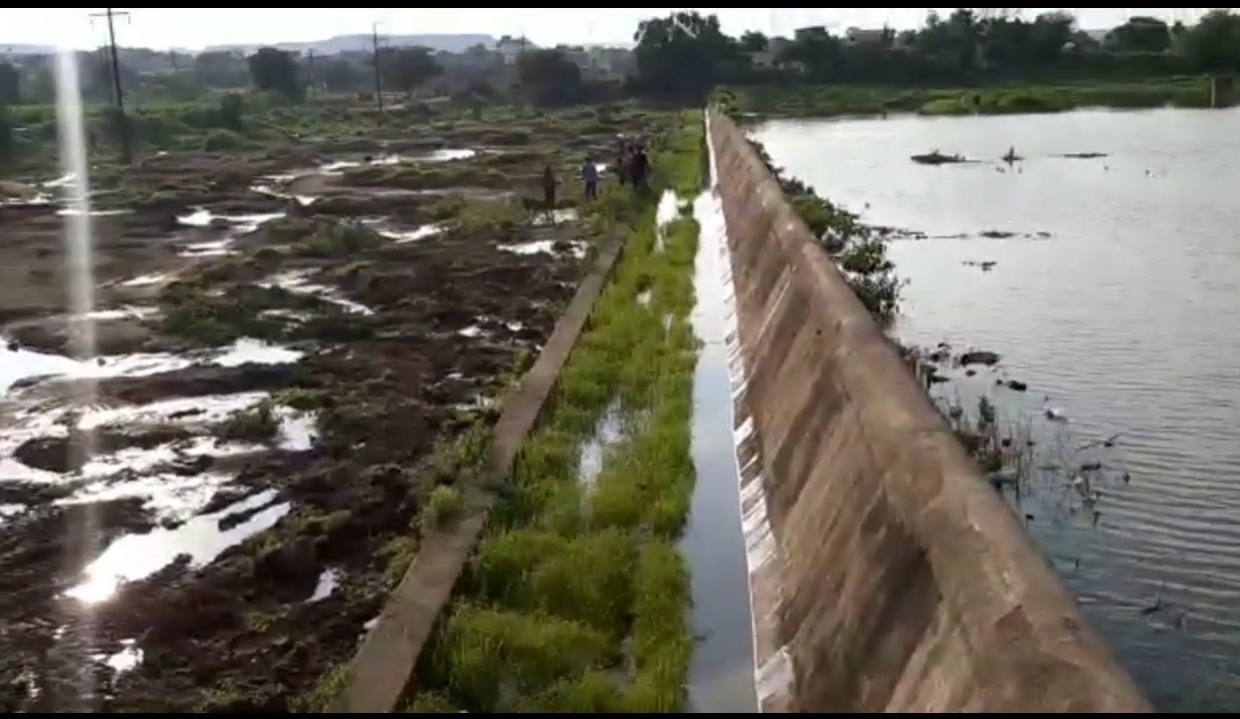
<point x="886" y="576"/>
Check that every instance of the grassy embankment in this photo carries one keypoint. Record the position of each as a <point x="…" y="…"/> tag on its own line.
<point x="578" y="598"/>
<point x="842" y="100"/>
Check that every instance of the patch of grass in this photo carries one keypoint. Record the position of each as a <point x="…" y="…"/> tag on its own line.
<point x="578" y="598"/>
<point x="258" y="424"/>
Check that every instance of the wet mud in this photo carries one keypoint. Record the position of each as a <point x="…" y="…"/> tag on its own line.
<point x="204" y="516"/>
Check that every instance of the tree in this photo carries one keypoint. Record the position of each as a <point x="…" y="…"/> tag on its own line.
<point x="220" y="69"/>
<point x="274" y="70"/>
<point x="408" y="68"/>
<point x="754" y="42"/>
<point x="1141" y="34"/>
<point x="8" y="138"/>
<point x="683" y="56"/>
<point x="1213" y="44"/>
<point x="10" y="85"/>
<point x="549" y="78"/>
<point x="336" y="74"/>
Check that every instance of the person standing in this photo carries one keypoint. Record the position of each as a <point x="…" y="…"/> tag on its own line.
<point x="622" y="164"/>
<point x="548" y="182"/>
<point x="589" y="176"/>
<point x="640" y="163"/>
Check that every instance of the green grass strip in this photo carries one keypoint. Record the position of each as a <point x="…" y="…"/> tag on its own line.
<point x="578" y="599"/>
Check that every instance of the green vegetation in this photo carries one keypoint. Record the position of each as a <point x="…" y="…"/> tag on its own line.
<point x="1001" y="63"/>
<point x="858" y="249"/>
<point x="578" y="598"/>
<point x="835" y="100"/>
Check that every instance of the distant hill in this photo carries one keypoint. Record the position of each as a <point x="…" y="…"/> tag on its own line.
<point x="355" y="43"/>
<point x="330" y="46"/>
<point x="20" y="49"/>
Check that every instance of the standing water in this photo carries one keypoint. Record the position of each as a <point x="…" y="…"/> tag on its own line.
<point x="83" y="538"/>
<point x="1116" y="296"/>
<point x="722" y="672"/>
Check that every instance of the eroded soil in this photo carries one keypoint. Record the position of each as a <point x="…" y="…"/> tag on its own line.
<point x="205" y="516"/>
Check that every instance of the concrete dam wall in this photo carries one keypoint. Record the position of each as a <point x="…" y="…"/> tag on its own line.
<point x="885" y="574"/>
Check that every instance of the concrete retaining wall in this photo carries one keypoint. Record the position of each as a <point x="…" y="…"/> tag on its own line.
<point x="886" y="575"/>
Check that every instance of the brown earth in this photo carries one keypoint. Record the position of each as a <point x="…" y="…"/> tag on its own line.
<point x="388" y="388"/>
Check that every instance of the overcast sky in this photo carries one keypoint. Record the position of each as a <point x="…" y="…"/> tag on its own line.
<point x="194" y="28"/>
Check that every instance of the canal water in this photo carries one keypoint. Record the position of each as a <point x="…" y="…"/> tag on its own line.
<point x="722" y="672"/>
<point x="1114" y="292"/>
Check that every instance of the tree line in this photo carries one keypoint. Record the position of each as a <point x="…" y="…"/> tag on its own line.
<point x="682" y="57"/>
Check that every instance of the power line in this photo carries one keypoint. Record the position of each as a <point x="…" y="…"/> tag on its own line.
<point x="118" y="93"/>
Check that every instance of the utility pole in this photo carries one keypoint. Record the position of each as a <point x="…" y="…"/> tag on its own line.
<point x="310" y="69"/>
<point x="374" y="40"/>
<point x="116" y="80"/>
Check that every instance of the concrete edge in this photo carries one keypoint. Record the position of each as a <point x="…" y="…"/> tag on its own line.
<point x="1031" y="587"/>
<point x="385" y="662"/>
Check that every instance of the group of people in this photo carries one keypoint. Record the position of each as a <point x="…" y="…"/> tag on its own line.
<point x="632" y="168"/>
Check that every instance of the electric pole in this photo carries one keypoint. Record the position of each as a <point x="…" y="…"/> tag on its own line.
<point x="116" y="80"/>
<point x="310" y="69"/>
<point x="374" y="40"/>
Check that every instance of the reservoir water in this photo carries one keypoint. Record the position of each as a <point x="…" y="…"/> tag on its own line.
<point x="1114" y="294"/>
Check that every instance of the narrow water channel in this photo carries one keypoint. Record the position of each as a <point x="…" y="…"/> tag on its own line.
<point x="722" y="672"/>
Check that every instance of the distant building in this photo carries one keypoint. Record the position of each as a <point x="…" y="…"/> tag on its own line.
<point x="862" y="36"/>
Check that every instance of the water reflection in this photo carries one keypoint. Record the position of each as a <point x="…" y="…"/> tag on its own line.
<point x="1125" y="316"/>
<point x="136" y="556"/>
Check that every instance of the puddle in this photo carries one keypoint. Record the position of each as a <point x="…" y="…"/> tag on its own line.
<point x="127" y="659"/>
<point x="21" y="364"/>
<point x="183" y="410"/>
<point x="62" y="181"/>
<point x="555" y="217"/>
<point x="202" y="217"/>
<point x="298" y="430"/>
<point x="127" y="312"/>
<point x="329" y="580"/>
<point x="669" y="207"/>
<point x="188" y="411"/>
<point x="216" y="248"/>
<point x="69" y="212"/>
<point x="722" y="676"/>
<point x="298" y="282"/>
<point x="448" y="155"/>
<point x="607" y="431"/>
<point x="168" y="495"/>
<point x="576" y="249"/>
<point x="401" y="237"/>
<point x="146" y="280"/>
<point x="270" y="191"/>
<point x="338" y="166"/>
<point x="136" y="556"/>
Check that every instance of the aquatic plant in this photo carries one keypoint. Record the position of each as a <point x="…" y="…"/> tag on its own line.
<point x="859" y="251"/>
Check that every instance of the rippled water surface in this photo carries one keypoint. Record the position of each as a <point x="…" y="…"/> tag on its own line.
<point x="1125" y="314"/>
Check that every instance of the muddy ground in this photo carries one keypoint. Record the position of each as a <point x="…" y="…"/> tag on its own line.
<point x="205" y="516"/>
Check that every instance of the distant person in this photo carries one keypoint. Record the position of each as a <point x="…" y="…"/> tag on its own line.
<point x="589" y="176"/>
<point x="548" y="183"/>
<point x="622" y="164"/>
<point x="640" y="165"/>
